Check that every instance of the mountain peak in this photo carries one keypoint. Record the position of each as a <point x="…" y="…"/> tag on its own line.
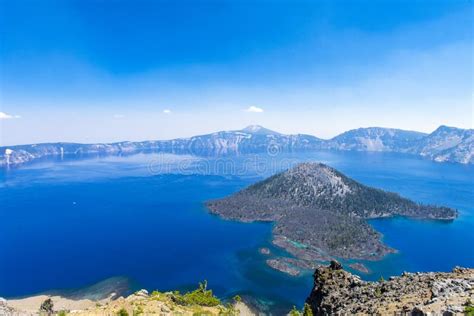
<point x="315" y="170"/>
<point x="258" y="129"/>
<point x="445" y="128"/>
<point x="316" y="185"/>
<point x="309" y="179"/>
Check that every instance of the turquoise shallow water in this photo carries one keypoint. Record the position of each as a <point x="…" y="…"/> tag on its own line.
<point x="67" y="224"/>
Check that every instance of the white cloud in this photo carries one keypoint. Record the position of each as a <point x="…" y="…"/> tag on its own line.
<point x="254" y="109"/>
<point x="5" y="116"/>
<point x="167" y="111"/>
<point x="118" y="116"/>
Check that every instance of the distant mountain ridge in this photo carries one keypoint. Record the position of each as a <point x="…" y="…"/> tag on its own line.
<point x="376" y="139"/>
<point x="445" y="144"/>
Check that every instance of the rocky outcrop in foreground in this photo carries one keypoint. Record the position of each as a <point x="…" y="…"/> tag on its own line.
<point x="335" y="292"/>
<point x="338" y="292"/>
<point x="198" y="302"/>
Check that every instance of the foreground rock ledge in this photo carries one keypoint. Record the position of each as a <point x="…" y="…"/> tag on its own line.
<point x="338" y="292"/>
<point x="140" y="303"/>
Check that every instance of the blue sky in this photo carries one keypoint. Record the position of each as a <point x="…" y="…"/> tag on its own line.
<point x="97" y="71"/>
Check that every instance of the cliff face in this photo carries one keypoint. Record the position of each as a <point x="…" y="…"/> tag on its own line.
<point x="337" y="292"/>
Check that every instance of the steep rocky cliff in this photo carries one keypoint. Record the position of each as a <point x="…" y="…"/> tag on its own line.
<point x="338" y="292"/>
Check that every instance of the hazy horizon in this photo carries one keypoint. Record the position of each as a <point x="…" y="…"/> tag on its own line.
<point x="94" y="71"/>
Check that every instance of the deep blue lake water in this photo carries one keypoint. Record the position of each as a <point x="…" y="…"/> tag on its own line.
<point x="71" y="223"/>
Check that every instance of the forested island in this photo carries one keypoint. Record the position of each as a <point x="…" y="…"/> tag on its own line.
<point x="320" y="214"/>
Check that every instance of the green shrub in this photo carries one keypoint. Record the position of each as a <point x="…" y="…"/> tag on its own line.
<point x="47" y="307"/>
<point x="307" y="311"/>
<point x="469" y="308"/>
<point x="237" y="299"/>
<point x="295" y="312"/>
<point x="158" y="296"/>
<point x="62" y="313"/>
<point x="122" y="312"/>
<point x="378" y="292"/>
<point x="228" y="310"/>
<point x="201" y="296"/>
<point x="202" y="313"/>
<point x="138" y="311"/>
